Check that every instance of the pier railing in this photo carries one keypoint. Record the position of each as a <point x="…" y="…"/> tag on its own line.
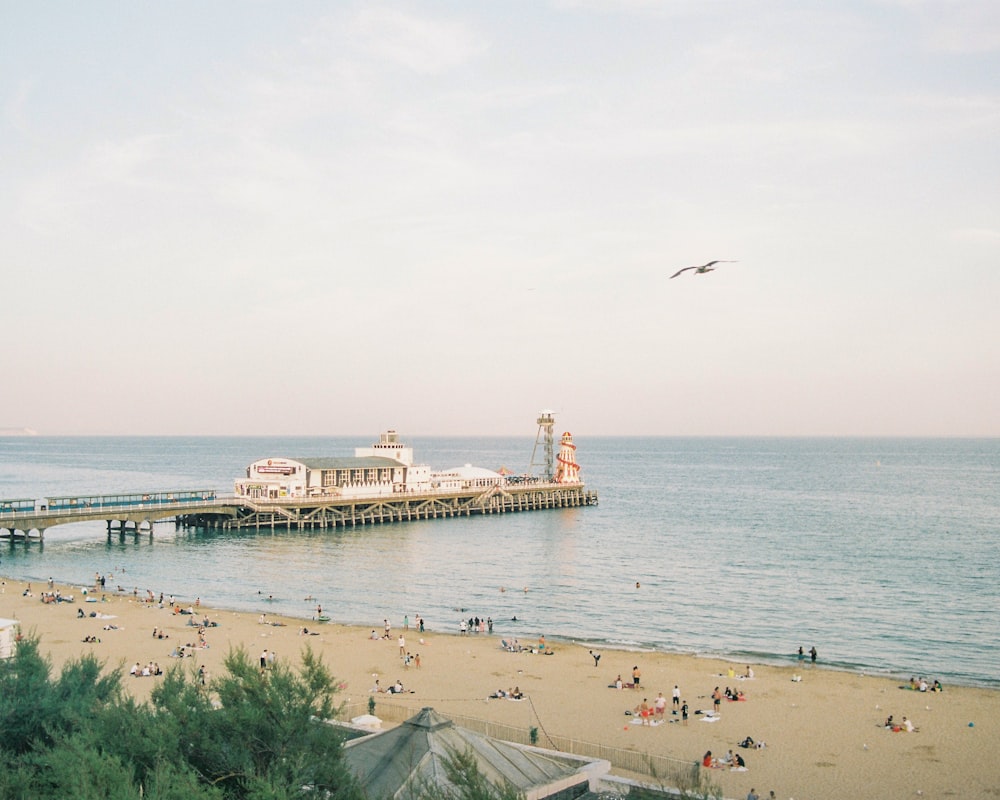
<point x="312" y="512"/>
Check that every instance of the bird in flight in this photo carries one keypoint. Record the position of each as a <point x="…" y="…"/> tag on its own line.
<point x="703" y="268"/>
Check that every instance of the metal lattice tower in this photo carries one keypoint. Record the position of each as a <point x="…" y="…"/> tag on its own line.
<point x="546" y="424"/>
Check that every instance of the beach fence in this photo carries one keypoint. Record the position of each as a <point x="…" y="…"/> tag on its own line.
<point x="629" y="760"/>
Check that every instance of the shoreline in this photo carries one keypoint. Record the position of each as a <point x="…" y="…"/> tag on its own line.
<point x="769" y="659"/>
<point x="824" y="733"/>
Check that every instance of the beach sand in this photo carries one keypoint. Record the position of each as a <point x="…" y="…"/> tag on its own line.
<point x="824" y="734"/>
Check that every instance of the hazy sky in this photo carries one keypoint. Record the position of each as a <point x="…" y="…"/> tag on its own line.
<point x="442" y="217"/>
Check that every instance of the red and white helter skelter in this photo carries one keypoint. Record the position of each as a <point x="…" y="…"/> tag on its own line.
<point x="567" y="471"/>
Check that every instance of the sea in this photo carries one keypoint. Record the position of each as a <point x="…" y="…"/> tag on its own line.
<point x="882" y="553"/>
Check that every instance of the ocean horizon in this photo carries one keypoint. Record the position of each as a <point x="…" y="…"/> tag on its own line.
<point x="883" y="553"/>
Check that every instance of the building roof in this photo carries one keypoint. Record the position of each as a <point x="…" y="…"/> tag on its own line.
<point x="400" y="762"/>
<point x="469" y="472"/>
<point x="349" y="462"/>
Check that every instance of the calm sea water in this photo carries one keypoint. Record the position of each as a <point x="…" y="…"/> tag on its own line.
<point x="883" y="553"/>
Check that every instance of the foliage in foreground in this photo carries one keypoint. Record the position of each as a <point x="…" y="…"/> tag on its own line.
<point x="249" y="735"/>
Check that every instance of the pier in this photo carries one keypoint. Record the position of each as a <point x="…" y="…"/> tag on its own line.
<point x="136" y="514"/>
<point x="324" y="513"/>
<point x="379" y="484"/>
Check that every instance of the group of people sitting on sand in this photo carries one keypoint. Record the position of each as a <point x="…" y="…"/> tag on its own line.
<point x="906" y="726"/>
<point x="54" y="597"/>
<point x="514" y="646"/>
<point x="920" y="685"/>
<point x="734" y="761"/>
<point x="508" y="694"/>
<point x="396" y="688"/>
<point x="748" y="743"/>
<point x="147" y="671"/>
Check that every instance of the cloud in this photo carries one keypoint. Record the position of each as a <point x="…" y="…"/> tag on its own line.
<point x="977" y="235"/>
<point x="417" y="43"/>
<point x="955" y="26"/>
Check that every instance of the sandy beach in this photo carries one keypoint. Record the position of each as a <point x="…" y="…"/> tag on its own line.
<point x="824" y="733"/>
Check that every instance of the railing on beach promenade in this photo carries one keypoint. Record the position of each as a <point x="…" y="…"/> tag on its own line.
<point x="649" y="764"/>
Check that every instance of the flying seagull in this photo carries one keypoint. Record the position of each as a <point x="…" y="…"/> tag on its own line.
<point x="703" y="268"/>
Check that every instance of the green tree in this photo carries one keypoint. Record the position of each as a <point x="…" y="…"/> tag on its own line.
<point x="264" y="736"/>
<point x="249" y="736"/>
<point x="35" y="709"/>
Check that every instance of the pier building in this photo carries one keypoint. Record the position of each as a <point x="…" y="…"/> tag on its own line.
<point x="381" y="483"/>
<point x="384" y="469"/>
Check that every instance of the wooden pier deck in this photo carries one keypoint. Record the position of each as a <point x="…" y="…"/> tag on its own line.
<point x="322" y="513"/>
<point x="313" y="513"/>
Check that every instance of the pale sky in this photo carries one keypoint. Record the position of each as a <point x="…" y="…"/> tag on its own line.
<point x="441" y="217"/>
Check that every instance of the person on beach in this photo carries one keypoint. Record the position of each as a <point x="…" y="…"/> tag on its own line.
<point x="402" y="645"/>
<point x="660" y="705"/>
<point x="387" y="628"/>
<point x="802" y="654"/>
<point x="644" y="711"/>
<point x="752" y="795"/>
<point x="618" y="682"/>
<point x="595" y="656"/>
<point x="812" y="655"/>
<point x="708" y="761"/>
<point x="677" y="696"/>
<point x="716" y="699"/>
<point x="684" y="713"/>
<point x="635" y="677"/>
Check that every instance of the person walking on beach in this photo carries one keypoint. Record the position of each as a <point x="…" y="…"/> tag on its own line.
<point x="684" y="713"/>
<point x="595" y="656"/>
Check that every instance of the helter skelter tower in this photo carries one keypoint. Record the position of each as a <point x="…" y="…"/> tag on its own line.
<point x="546" y="422"/>
<point x="568" y="470"/>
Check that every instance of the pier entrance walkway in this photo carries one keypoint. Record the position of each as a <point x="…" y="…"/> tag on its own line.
<point x="18" y="518"/>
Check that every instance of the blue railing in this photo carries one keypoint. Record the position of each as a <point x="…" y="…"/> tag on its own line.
<point x="106" y="501"/>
